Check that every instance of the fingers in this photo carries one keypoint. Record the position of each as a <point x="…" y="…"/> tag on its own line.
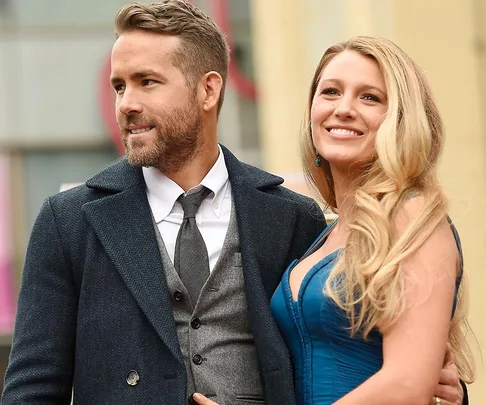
<point x="449" y="376"/>
<point x="443" y="401"/>
<point x="448" y="394"/>
<point x="449" y="388"/>
<point x="202" y="400"/>
<point x="449" y="356"/>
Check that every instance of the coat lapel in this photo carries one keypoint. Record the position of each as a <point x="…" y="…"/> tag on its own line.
<point x="266" y="223"/>
<point x="122" y="221"/>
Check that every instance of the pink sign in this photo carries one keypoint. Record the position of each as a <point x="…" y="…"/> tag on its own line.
<point x="7" y="309"/>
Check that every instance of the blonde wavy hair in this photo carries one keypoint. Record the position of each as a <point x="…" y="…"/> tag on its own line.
<point x="367" y="282"/>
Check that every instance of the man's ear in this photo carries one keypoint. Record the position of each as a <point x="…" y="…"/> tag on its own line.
<point x="212" y="85"/>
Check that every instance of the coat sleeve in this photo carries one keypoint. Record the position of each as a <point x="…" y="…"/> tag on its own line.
<point x="465" y="400"/>
<point x="40" y="369"/>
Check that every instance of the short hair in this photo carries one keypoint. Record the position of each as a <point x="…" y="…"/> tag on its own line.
<point x="203" y="44"/>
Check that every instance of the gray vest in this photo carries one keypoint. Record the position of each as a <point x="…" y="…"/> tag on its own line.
<point x="215" y="336"/>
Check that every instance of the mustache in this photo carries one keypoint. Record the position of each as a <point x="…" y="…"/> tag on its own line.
<point x="126" y="121"/>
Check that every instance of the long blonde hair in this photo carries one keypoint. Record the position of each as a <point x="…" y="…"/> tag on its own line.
<point x="367" y="282"/>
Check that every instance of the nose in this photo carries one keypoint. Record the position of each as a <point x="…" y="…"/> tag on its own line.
<point x="128" y="103"/>
<point x="345" y="108"/>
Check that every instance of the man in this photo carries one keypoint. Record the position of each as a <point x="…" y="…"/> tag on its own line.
<point x="127" y="296"/>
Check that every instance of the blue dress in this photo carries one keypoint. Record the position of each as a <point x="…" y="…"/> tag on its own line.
<point x="328" y="363"/>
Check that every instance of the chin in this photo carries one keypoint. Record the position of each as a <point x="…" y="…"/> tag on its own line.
<point x="339" y="159"/>
<point x="345" y="162"/>
<point x="142" y="157"/>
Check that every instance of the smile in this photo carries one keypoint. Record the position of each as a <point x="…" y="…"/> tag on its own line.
<point x="344" y="132"/>
<point x="140" y="130"/>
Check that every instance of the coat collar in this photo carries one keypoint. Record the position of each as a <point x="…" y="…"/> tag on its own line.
<point x="121" y="175"/>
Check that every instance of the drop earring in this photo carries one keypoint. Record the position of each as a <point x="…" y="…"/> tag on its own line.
<point x="318" y="159"/>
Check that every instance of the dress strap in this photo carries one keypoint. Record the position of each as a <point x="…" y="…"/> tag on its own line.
<point x="461" y="261"/>
<point x="320" y="239"/>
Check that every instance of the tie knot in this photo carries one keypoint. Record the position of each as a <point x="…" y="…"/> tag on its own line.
<point x="191" y="202"/>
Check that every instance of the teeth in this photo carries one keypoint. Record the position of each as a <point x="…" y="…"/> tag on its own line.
<point x="140" y="131"/>
<point x="341" y="131"/>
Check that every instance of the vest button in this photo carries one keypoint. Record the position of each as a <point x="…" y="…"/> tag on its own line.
<point x="178" y="296"/>
<point x="195" y="323"/>
<point x="197" y="359"/>
<point x="133" y="378"/>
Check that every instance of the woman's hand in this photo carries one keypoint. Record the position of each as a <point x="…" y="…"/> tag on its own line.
<point x="202" y="400"/>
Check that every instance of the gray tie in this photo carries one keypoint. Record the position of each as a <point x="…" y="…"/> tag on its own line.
<point x="191" y="255"/>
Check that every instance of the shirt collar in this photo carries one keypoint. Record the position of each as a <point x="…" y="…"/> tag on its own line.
<point x="162" y="192"/>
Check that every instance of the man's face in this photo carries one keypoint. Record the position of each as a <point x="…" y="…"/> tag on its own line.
<point x="159" y="116"/>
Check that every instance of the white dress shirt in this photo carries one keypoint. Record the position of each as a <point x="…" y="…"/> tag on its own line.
<point x="213" y="215"/>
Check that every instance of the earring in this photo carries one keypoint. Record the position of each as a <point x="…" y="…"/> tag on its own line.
<point x="318" y="159"/>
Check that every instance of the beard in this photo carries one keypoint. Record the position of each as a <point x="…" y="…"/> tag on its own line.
<point x="178" y="139"/>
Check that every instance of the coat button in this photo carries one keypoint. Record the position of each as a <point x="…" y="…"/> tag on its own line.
<point x="195" y="323"/>
<point x="133" y="378"/>
<point x="197" y="359"/>
<point x="178" y="296"/>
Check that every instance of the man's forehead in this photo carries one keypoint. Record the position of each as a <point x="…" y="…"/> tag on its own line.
<point x="144" y="40"/>
<point x="131" y="52"/>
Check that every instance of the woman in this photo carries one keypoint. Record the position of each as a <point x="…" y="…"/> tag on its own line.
<point x="391" y="266"/>
<point x="366" y="313"/>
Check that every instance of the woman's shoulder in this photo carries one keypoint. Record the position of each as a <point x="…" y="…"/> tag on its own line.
<point x="427" y="226"/>
<point x="420" y="211"/>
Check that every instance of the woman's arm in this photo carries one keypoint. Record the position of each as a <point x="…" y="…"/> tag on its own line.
<point x="414" y="346"/>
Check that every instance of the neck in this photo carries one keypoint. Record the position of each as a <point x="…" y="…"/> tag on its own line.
<point x="193" y="173"/>
<point x="344" y="190"/>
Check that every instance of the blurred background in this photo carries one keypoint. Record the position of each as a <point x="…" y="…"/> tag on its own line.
<point x="57" y="117"/>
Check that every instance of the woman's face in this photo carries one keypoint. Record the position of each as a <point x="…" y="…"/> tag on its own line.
<point x="348" y="108"/>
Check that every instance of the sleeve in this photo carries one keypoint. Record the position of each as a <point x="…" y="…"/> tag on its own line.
<point x="465" y="400"/>
<point x="40" y="369"/>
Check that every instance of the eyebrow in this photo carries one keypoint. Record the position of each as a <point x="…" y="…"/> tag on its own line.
<point x="362" y="86"/>
<point x="139" y="76"/>
<point x="367" y="87"/>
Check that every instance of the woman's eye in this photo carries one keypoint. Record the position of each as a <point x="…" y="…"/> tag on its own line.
<point x="330" y="92"/>
<point x="371" y="97"/>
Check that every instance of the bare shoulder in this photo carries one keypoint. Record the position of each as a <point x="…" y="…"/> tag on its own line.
<point x="434" y="240"/>
<point x="413" y="208"/>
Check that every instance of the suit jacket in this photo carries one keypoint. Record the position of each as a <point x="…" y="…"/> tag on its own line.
<point x="94" y="310"/>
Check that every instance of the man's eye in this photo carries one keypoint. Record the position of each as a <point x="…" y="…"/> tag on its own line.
<point x="148" y="82"/>
<point x="119" y="89"/>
